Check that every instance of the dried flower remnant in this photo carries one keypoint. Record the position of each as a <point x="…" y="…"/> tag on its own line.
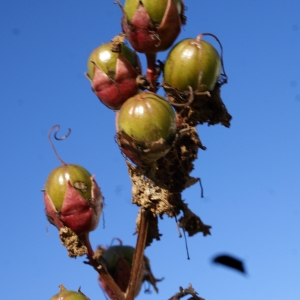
<point x="159" y="201"/>
<point x="72" y="242"/>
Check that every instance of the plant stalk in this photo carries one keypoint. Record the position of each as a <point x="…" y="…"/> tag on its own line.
<point x="151" y="71"/>
<point x="105" y="276"/>
<point x="138" y="256"/>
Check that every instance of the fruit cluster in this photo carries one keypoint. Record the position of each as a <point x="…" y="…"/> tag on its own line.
<point x="156" y="135"/>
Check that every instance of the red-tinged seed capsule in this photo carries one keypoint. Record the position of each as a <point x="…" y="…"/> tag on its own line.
<point x="113" y="74"/>
<point x="155" y="8"/>
<point x="152" y="25"/>
<point x="72" y="197"/>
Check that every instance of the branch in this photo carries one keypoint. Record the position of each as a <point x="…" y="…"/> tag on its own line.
<point x="108" y="280"/>
<point x="138" y="256"/>
<point x="151" y="71"/>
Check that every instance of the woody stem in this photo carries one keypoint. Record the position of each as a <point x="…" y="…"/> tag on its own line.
<point x="151" y="71"/>
<point x="107" y="279"/>
<point x="138" y="256"/>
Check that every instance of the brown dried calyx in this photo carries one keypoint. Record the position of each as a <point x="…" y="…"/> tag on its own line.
<point x="199" y="107"/>
<point x="161" y="201"/>
<point x="145" y="156"/>
<point x="172" y="171"/>
<point x="72" y="242"/>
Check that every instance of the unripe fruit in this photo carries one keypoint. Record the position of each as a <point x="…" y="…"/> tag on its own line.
<point x="56" y="184"/>
<point x="65" y="294"/>
<point x="104" y="58"/>
<point x="155" y="8"/>
<point x="147" y="118"/>
<point x="72" y="198"/>
<point x="152" y="25"/>
<point x="192" y="62"/>
<point x="113" y="74"/>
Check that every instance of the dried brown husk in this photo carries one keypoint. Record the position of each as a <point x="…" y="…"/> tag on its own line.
<point x="173" y="170"/>
<point x="199" y="107"/>
<point x="160" y="201"/>
<point x="72" y="242"/>
<point x="142" y="156"/>
<point x="192" y="223"/>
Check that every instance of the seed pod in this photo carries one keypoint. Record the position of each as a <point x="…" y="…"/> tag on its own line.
<point x="146" y="127"/>
<point x="192" y="62"/>
<point x="113" y="74"/>
<point x="72" y="198"/>
<point x="152" y="25"/>
<point x="147" y="118"/>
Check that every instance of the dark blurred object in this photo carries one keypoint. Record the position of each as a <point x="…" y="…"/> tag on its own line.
<point x="230" y="262"/>
<point x="184" y="292"/>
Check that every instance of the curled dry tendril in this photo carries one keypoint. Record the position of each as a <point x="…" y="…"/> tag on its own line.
<point x="58" y="139"/>
<point x="224" y="77"/>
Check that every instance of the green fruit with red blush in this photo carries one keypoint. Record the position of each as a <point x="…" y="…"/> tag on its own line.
<point x="152" y="26"/>
<point x="155" y="8"/>
<point x="113" y="74"/>
<point x="56" y="184"/>
<point x="105" y="59"/>
<point x="72" y="197"/>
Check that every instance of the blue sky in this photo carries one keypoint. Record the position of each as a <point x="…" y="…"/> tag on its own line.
<point x="250" y="172"/>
